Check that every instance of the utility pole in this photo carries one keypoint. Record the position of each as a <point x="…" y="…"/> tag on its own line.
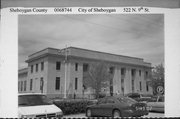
<point x="66" y="63"/>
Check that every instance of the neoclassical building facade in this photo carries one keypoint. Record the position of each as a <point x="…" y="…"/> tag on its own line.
<point x="60" y="73"/>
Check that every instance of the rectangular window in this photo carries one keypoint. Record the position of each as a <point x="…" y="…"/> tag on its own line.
<point x="85" y="67"/>
<point x="140" y="86"/>
<point x="21" y="85"/>
<point x="132" y="86"/>
<point x="122" y="71"/>
<point x="122" y="89"/>
<point x="36" y="67"/>
<point x="146" y="73"/>
<point x="42" y="66"/>
<point x="58" y="65"/>
<point x="31" y="68"/>
<point x="31" y="84"/>
<point x="76" y="83"/>
<point x="122" y="85"/>
<point x="57" y="87"/>
<point x="41" y="84"/>
<point x="139" y="72"/>
<point x="111" y="70"/>
<point x="76" y="66"/>
<point x="24" y="85"/>
<point x="133" y="72"/>
<point x="147" y="87"/>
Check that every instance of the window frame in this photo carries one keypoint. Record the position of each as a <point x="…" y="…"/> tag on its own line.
<point x="76" y="84"/>
<point x="58" y="65"/>
<point x="37" y="67"/>
<point x="140" y="85"/>
<point x="31" y="84"/>
<point x="76" y="66"/>
<point x="42" y="66"/>
<point x="57" y="83"/>
<point x="31" y="68"/>
<point x="123" y="71"/>
<point x="25" y="83"/>
<point x="85" y="67"/>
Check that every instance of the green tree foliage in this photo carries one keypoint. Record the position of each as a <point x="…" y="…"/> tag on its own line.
<point x="97" y="77"/>
<point x="158" y="73"/>
<point x="157" y="77"/>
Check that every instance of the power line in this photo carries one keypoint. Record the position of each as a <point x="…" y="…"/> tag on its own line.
<point x="102" y="25"/>
<point x="111" y="27"/>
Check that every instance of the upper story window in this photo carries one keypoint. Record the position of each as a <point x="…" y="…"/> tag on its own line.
<point x="146" y="74"/>
<point x="123" y="71"/>
<point x="133" y="72"/>
<point x="36" y="67"/>
<point x="139" y="72"/>
<point x="58" y="65"/>
<point x="111" y="70"/>
<point x="31" y="68"/>
<point x="76" y="66"/>
<point x="42" y="66"/>
<point x="85" y="67"/>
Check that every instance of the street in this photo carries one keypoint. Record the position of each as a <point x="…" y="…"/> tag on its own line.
<point x="82" y="115"/>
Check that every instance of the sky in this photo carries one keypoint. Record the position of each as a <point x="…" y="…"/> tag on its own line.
<point x="135" y="35"/>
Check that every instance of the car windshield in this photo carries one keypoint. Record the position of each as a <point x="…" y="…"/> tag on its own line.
<point x="134" y="95"/>
<point x="157" y="99"/>
<point x="33" y="100"/>
<point x="127" y="100"/>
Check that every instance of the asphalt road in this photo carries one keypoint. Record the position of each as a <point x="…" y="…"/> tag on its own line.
<point x="82" y="115"/>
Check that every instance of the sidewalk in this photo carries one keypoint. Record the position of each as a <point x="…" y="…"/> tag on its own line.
<point x="81" y="115"/>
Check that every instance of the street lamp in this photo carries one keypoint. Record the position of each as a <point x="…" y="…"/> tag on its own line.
<point x="65" y="75"/>
<point x="66" y="63"/>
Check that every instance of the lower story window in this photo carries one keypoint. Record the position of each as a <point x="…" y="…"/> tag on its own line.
<point x="57" y="84"/>
<point x="132" y="85"/>
<point x="21" y="85"/>
<point x="147" y="87"/>
<point x="76" y="83"/>
<point x="140" y="86"/>
<point x="31" y="84"/>
<point x="24" y="85"/>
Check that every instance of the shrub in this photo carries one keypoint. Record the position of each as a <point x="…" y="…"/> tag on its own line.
<point x="73" y="106"/>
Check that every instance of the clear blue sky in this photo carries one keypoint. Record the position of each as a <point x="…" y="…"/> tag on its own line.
<point x="131" y="35"/>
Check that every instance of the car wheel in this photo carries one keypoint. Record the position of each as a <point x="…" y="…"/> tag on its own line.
<point x="88" y="113"/>
<point x="116" y="113"/>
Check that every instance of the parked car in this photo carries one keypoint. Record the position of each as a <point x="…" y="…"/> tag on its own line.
<point x="140" y="97"/>
<point x="37" y="106"/>
<point x="157" y="105"/>
<point x="117" y="106"/>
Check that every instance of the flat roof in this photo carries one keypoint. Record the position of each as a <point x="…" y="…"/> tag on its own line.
<point x="24" y="70"/>
<point x="89" y="54"/>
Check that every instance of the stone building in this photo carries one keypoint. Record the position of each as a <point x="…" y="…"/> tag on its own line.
<point x="60" y="73"/>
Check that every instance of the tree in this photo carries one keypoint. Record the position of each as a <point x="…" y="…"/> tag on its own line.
<point x="97" y="77"/>
<point x="158" y="72"/>
<point x="157" y="78"/>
